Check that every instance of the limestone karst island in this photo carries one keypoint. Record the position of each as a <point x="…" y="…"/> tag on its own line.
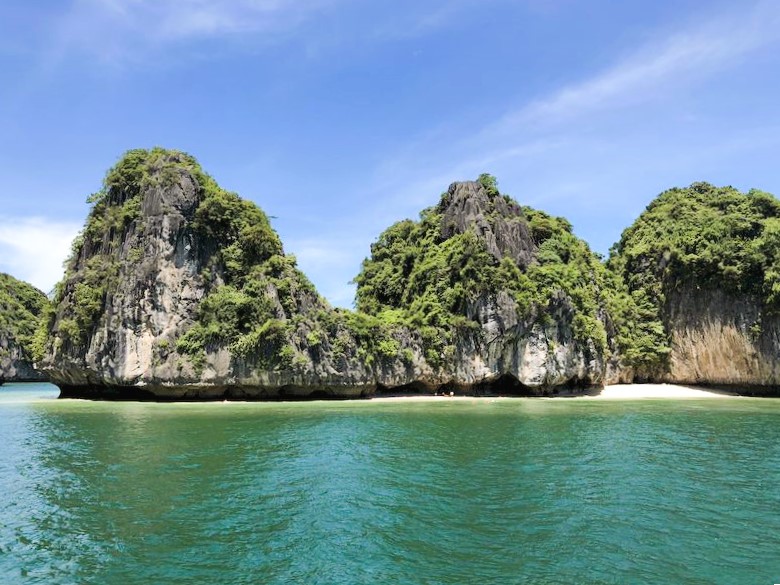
<point x="179" y="290"/>
<point x="340" y="292"/>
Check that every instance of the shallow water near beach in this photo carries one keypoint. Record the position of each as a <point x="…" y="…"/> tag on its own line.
<point x="466" y="491"/>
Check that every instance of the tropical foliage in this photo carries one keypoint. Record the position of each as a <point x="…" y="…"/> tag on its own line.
<point x="708" y="235"/>
<point x="704" y="236"/>
<point x="21" y="306"/>
<point x="417" y="281"/>
<point x="418" y="277"/>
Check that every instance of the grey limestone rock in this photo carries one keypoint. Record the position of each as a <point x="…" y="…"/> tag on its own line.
<point x="21" y="306"/>
<point x="15" y="364"/>
<point x="139" y="279"/>
<point x="494" y="218"/>
<point x="721" y="339"/>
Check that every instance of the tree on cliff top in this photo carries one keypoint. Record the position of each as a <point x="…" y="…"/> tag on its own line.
<point x="713" y="236"/>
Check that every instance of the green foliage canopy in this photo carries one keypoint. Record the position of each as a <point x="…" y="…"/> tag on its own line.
<point x="701" y="235"/>
<point x="21" y="307"/>
<point x="430" y="280"/>
<point x="711" y="236"/>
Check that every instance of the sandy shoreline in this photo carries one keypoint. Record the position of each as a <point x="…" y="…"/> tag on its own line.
<point x="612" y="392"/>
<point x="652" y="391"/>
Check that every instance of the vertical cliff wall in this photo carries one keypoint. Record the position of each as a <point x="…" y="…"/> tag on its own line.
<point x="705" y="262"/>
<point x="722" y="339"/>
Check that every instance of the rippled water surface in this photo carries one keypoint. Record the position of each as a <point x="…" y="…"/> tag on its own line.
<point x="506" y="491"/>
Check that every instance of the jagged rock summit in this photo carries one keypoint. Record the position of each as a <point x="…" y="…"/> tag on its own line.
<point x="178" y="289"/>
<point x="498" y="221"/>
<point x="21" y="306"/>
<point x="506" y="297"/>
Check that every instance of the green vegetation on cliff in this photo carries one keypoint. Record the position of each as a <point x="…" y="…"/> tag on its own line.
<point x="475" y="262"/>
<point x="708" y="235"/>
<point x="418" y="275"/>
<point x="242" y="264"/>
<point x="252" y="300"/>
<point x="21" y="306"/>
<point x="261" y="303"/>
<point x="243" y="313"/>
<point x="93" y="269"/>
<point x="704" y="236"/>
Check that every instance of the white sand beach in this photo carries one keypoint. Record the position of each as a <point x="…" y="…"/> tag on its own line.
<point x="653" y="391"/>
<point x="611" y="392"/>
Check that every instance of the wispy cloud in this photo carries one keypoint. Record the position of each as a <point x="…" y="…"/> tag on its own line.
<point x="648" y="74"/>
<point x="427" y="17"/>
<point x="322" y="258"/>
<point x="115" y="29"/>
<point x="680" y="60"/>
<point x="582" y="149"/>
<point x="119" y="30"/>
<point x="34" y="249"/>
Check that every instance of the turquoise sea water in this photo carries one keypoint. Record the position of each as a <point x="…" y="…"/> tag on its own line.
<point x="507" y="491"/>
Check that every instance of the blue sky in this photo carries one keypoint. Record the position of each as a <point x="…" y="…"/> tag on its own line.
<point x="340" y="117"/>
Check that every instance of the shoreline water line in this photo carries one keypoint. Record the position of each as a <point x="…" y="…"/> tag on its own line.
<point x="616" y="392"/>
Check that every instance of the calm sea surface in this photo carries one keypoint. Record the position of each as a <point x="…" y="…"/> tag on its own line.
<point x="506" y="491"/>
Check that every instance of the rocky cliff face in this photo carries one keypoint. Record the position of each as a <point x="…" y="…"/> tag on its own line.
<point x="723" y="340"/>
<point x="21" y="306"/>
<point x="510" y="292"/>
<point x="179" y="290"/>
<point x="15" y="362"/>
<point x="512" y="354"/>
<point x="497" y="221"/>
<point x="704" y="261"/>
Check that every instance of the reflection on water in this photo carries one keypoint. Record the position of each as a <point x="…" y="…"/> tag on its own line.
<point x="515" y="491"/>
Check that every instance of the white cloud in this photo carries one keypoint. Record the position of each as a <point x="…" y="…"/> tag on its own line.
<point x="331" y="264"/>
<point x="649" y="73"/>
<point x="34" y="249"/>
<point x="116" y="31"/>
<point x="682" y="59"/>
<point x="428" y="17"/>
<point x="119" y="29"/>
